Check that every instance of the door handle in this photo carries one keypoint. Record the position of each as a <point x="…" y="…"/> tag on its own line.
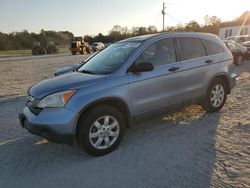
<point x="173" y="69"/>
<point x="208" y="61"/>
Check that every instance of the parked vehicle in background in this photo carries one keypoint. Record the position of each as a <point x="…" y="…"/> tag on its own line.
<point x="40" y="48"/>
<point x="244" y="40"/>
<point x="247" y="45"/>
<point x="51" y="48"/>
<point x="240" y="38"/>
<point x="78" y="45"/>
<point x="37" y="49"/>
<point x="97" y="46"/>
<point x="131" y="79"/>
<point x="239" y="52"/>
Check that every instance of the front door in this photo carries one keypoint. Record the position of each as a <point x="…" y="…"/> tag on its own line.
<point x="158" y="88"/>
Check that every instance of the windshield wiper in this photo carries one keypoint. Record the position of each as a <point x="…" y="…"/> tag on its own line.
<point x="87" y="72"/>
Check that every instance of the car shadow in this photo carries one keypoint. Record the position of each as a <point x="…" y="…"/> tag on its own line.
<point x="182" y="142"/>
<point x="175" y="150"/>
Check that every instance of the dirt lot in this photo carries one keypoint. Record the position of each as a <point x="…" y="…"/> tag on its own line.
<point x="189" y="148"/>
<point x="19" y="73"/>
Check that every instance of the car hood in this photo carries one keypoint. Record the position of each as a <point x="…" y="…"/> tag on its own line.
<point x="62" y="83"/>
<point x="68" y="69"/>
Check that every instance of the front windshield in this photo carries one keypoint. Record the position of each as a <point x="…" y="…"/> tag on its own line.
<point x="110" y="59"/>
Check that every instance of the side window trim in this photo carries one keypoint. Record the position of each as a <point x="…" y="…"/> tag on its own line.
<point x="138" y="55"/>
<point x="206" y="50"/>
<point x="177" y="51"/>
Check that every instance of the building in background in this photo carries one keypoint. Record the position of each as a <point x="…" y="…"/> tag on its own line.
<point x="240" y="26"/>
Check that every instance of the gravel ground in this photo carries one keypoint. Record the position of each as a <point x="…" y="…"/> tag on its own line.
<point x="189" y="148"/>
<point x="19" y="73"/>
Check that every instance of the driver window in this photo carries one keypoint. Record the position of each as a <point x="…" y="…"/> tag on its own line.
<point x="158" y="53"/>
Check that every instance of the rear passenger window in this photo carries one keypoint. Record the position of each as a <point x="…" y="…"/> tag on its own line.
<point x="158" y="53"/>
<point x="191" y="48"/>
<point x="213" y="48"/>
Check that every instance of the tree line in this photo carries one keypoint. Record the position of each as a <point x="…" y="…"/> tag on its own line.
<point x="24" y="40"/>
<point x="119" y="33"/>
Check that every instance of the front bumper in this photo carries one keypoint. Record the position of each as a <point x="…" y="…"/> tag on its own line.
<point x="55" y="124"/>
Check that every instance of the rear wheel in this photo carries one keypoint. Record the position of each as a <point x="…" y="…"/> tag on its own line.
<point x="216" y="96"/>
<point x="73" y="52"/>
<point x="101" y="130"/>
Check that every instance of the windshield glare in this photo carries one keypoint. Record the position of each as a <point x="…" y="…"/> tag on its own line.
<point x="109" y="59"/>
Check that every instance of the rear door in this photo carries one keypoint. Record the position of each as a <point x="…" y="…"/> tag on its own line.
<point x="197" y="60"/>
<point x="158" y="88"/>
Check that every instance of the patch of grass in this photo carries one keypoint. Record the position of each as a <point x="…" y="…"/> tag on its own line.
<point x="63" y="50"/>
<point x="16" y="52"/>
<point x="27" y="52"/>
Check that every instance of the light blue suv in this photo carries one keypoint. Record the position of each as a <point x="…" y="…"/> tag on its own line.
<point x="94" y="103"/>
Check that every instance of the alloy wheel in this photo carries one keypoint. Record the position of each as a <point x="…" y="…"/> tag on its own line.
<point x="217" y="95"/>
<point x="104" y="132"/>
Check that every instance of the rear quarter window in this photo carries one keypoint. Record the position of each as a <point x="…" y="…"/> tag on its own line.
<point x="213" y="48"/>
<point x="190" y="48"/>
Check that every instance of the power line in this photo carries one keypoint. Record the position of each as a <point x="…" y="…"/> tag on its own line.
<point x="157" y="18"/>
<point x="173" y="18"/>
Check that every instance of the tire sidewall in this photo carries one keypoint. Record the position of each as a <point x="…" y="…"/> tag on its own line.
<point x="86" y="124"/>
<point x="207" y="104"/>
<point x="210" y="107"/>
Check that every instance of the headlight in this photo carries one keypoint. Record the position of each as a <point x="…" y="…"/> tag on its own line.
<point x="56" y="100"/>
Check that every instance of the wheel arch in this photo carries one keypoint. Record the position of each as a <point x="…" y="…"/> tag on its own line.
<point x="110" y="101"/>
<point x="224" y="77"/>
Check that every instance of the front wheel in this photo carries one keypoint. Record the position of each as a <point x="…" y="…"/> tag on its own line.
<point x="101" y="130"/>
<point x="216" y="96"/>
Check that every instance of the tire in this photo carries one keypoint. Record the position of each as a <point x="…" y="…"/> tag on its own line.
<point x="89" y="50"/>
<point x="82" y="51"/>
<point x="239" y="60"/>
<point x="85" y="51"/>
<point x="73" y="52"/>
<point x="96" y="136"/>
<point x="217" y="91"/>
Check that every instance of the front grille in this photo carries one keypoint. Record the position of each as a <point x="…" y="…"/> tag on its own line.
<point x="32" y="105"/>
<point x="36" y="110"/>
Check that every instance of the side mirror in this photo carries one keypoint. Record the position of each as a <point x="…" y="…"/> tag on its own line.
<point x="143" y="67"/>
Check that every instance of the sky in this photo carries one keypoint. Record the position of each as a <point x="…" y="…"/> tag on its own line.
<point x="91" y="17"/>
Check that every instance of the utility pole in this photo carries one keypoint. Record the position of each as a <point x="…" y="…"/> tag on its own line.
<point x="163" y="14"/>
